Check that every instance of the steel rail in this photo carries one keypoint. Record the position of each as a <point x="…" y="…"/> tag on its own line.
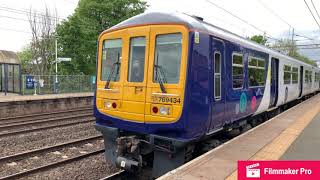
<point x="46" y="127"/>
<point x="39" y="115"/>
<point x="116" y="176"/>
<point x="11" y="125"/>
<point x="51" y="165"/>
<point x="48" y="148"/>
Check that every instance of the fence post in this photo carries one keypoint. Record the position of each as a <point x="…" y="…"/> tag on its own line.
<point x="22" y="84"/>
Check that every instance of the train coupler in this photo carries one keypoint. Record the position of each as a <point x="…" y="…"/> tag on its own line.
<point x="129" y="153"/>
<point x="128" y="164"/>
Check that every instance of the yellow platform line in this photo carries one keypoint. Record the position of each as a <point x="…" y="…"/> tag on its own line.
<point x="275" y="149"/>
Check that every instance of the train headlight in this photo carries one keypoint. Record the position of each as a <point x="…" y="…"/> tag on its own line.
<point x="164" y="110"/>
<point x="107" y="104"/>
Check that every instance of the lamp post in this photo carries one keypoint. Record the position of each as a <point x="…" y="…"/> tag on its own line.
<point x="61" y="59"/>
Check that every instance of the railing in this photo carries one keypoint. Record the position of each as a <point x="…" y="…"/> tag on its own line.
<point x="48" y="84"/>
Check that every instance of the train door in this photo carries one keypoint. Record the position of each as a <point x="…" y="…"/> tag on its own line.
<point x="301" y="81"/>
<point x="274" y="82"/>
<point x="217" y="78"/>
<point x="135" y="83"/>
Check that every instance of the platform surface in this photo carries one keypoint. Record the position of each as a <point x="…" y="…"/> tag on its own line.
<point x="307" y="145"/>
<point x="14" y="97"/>
<point x="275" y="139"/>
<point x="2" y="94"/>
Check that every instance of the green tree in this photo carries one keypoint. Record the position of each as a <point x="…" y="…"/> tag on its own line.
<point x="77" y="36"/>
<point x="259" y="39"/>
<point x="25" y="57"/>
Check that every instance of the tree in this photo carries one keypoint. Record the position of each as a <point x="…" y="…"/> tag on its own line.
<point x="77" y="36"/>
<point x="259" y="39"/>
<point x="42" y="43"/>
<point x="25" y="57"/>
<point x="290" y="48"/>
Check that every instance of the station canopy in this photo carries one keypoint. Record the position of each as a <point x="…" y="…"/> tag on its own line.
<point x="9" y="57"/>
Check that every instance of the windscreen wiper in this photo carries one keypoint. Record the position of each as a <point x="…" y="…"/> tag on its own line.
<point x="114" y="65"/>
<point x="161" y="78"/>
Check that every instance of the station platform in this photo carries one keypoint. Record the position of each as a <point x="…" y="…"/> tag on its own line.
<point x="16" y="97"/>
<point x="292" y="135"/>
<point x="2" y="94"/>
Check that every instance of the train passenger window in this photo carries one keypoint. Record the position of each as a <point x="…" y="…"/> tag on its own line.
<point x="295" y="75"/>
<point x="168" y="58"/>
<point x="237" y="71"/>
<point x="317" y="77"/>
<point x="256" y="72"/>
<point x="287" y="74"/>
<point x="137" y="59"/>
<point x="308" y="76"/>
<point x="217" y="75"/>
<point x="111" y="59"/>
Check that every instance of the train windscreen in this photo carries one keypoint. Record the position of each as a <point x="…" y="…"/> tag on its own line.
<point x="111" y="60"/>
<point x="168" y="58"/>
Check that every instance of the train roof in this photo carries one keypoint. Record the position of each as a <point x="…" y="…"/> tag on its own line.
<point x="197" y="24"/>
<point x="8" y="57"/>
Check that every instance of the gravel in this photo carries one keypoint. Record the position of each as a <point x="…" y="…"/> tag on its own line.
<point x="55" y="155"/>
<point x="90" y="168"/>
<point x="29" y="141"/>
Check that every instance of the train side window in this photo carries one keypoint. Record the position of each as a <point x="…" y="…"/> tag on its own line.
<point x="317" y="77"/>
<point x="287" y="74"/>
<point x="256" y="72"/>
<point x="237" y="71"/>
<point x="137" y="59"/>
<point x="217" y="75"/>
<point x="308" y="76"/>
<point x="295" y="75"/>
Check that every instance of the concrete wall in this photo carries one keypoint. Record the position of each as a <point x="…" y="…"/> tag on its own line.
<point x="45" y="105"/>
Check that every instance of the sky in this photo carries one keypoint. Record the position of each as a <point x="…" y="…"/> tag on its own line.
<point x="273" y="17"/>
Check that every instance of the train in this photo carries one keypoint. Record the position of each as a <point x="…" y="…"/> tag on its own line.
<point x="167" y="82"/>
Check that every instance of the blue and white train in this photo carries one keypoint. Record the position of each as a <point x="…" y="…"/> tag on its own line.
<point x="167" y="82"/>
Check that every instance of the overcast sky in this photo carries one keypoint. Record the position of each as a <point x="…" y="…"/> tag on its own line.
<point x="15" y="30"/>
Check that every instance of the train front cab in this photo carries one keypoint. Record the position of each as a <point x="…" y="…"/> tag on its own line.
<point x="141" y="74"/>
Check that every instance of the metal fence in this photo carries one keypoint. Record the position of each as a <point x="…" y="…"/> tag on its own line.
<point x="35" y="84"/>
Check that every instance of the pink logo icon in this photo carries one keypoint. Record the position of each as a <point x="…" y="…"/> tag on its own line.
<point x="253" y="103"/>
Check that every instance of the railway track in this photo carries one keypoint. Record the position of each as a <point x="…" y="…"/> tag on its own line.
<point x="42" y="116"/>
<point x="123" y="175"/>
<point x="31" y="123"/>
<point x="12" y="131"/>
<point x="43" y="121"/>
<point x="74" y="154"/>
<point x="116" y="176"/>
